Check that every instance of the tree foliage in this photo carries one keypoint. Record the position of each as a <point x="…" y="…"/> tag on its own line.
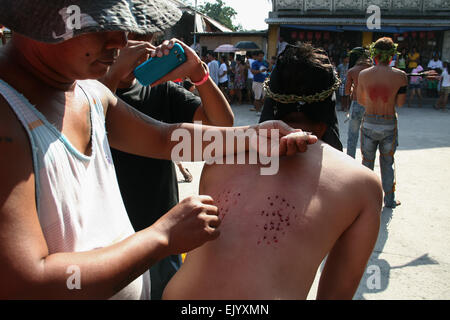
<point x="220" y="12"/>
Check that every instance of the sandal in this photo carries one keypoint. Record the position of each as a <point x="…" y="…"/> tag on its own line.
<point x="397" y="203"/>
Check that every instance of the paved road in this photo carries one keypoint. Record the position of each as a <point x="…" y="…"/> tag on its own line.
<point x="412" y="255"/>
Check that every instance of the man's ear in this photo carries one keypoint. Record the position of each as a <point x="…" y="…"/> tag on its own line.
<point x="320" y="129"/>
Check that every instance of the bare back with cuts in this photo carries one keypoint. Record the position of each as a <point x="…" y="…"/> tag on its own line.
<point x="276" y="230"/>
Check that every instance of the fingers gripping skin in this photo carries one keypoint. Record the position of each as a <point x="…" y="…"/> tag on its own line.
<point x="292" y="141"/>
<point x="190" y="224"/>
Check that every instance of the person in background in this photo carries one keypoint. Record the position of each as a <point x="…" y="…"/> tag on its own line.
<point x="213" y="66"/>
<point x="259" y="70"/>
<point x="445" y="88"/>
<point x="239" y="79"/>
<point x="2" y="34"/>
<point x="342" y="70"/>
<point x="363" y="61"/>
<point x="251" y="57"/>
<point x="415" y="86"/>
<point x="401" y="61"/>
<point x="413" y="59"/>
<point x="380" y="89"/>
<point x="433" y="85"/>
<point x="281" y="45"/>
<point x="272" y="64"/>
<point x="223" y="76"/>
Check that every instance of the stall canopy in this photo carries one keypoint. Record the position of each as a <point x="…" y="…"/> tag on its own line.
<point x="365" y="29"/>
<point x="224" y="48"/>
<point x="246" y="45"/>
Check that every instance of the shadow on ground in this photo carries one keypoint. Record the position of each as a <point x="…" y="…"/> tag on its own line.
<point x="377" y="275"/>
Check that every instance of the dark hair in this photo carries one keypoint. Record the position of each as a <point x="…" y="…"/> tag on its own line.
<point x="384" y="44"/>
<point x="356" y="54"/>
<point x="304" y="70"/>
<point x="187" y="84"/>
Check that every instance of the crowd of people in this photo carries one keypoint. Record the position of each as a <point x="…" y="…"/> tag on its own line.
<point x="241" y="78"/>
<point x="411" y="62"/>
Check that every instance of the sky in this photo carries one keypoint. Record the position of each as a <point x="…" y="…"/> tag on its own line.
<point x="251" y="13"/>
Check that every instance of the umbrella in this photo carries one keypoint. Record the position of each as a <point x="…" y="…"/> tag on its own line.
<point x="226" y="48"/>
<point x="246" y="45"/>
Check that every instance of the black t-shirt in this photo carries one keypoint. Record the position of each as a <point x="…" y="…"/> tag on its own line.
<point x="149" y="187"/>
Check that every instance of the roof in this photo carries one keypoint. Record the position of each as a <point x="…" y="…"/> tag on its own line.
<point x="202" y="21"/>
<point x="442" y="23"/>
<point x="234" y="33"/>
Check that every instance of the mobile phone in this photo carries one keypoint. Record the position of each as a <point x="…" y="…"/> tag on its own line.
<point x="155" y="68"/>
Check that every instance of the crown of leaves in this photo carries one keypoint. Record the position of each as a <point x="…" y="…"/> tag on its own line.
<point x="383" y="55"/>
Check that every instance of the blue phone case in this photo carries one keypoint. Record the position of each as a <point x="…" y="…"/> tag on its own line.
<point x="155" y="68"/>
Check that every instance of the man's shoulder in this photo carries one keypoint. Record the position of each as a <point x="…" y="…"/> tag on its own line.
<point x="353" y="71"/>
<point x="93" y="84"/>
<point x="14" y="141"/>
<point x="399" y="73"/>
<point x="99" y="89"/>
<point x="366" y="72"/>
<point x="337" y="162"/>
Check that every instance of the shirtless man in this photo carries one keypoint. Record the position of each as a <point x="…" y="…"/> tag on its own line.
<point x="277" y="230"/>
<point x="61" y="213"/>
<point x="362" y="61"/>
<point x="380" y="89"/>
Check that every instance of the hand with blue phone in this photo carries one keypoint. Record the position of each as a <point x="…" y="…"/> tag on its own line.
<point x="157" y="67"/>
<point x="173" y="60"/>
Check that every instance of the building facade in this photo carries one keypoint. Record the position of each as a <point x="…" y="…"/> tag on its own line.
<point x="339" y="25"/>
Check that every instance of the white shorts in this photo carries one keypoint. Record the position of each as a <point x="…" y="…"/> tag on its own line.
<point x="258" y="90"/>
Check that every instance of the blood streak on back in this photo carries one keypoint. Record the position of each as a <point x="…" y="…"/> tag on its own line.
<point x="379" y="92"/>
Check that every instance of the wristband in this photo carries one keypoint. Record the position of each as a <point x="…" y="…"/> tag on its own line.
<point x="205" y="78"/>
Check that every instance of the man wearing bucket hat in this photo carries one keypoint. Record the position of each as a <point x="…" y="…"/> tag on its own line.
<point x="64" y="229"/>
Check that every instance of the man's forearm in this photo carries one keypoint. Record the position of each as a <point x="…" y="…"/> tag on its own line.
<point x="348" y="86"/>
<point x="189" y="142"/>
<point x="102" y="272"/>
<point x="215" y="106"/>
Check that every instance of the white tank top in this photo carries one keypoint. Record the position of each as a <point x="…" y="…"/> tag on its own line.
<point x="79" y="204"/>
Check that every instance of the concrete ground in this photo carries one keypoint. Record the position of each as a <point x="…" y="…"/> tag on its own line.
<point x="411" y="259"/>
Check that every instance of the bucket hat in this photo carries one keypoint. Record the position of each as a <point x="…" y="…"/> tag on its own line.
<point x="59" y="20"/>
